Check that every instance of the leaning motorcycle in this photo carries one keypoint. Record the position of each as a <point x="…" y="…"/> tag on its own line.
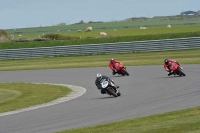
<point x="120" y="69"/>
<point x="177" y="70"/>
<point x="107" y="86"/>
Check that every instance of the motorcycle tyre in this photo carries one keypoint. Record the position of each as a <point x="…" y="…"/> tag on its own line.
<point x="119" y="94"/>
<point x="111" y="92"/>
<point x="181" y="73"/>
<point x="125" y="72"/>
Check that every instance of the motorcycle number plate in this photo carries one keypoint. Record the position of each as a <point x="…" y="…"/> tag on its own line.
<point x="104" y="84"/>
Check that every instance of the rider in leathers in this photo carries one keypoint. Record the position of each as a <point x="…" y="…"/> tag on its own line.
<point x="167" y="64"/>
<point x="100" y="77"/>
<point x="112" y="65"/>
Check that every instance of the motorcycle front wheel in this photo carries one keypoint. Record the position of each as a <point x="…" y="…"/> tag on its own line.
<point x="181" y="73"/>
<point x="119" y="94"/>
<point x="125" y="72"/>
<point x="112" y="92"/>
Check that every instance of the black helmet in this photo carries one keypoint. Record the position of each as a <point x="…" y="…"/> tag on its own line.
<point x="112" y="60"/>
<point x="166" y="61"/>
<point x="99" y="76"/>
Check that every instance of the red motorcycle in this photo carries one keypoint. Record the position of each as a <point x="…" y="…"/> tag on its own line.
<point x="121" y="69"/>
<point x="177" y="70"/>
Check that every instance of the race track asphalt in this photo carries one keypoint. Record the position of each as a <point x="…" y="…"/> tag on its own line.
<point x="147" y="91"/>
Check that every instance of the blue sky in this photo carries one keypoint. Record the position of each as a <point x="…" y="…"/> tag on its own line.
<point x="33" y="13"/>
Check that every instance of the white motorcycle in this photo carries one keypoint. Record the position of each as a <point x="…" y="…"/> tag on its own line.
<point x="107" y="86"/>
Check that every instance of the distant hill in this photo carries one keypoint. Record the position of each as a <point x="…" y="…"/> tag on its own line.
<point x="189" y="13"/>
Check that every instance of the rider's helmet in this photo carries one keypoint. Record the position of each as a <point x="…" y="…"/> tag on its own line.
<point x="166" y="61"/>
<point x="99" y="76"/>
<point x="112" y="60"/>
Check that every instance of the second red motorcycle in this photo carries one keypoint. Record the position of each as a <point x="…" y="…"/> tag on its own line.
<point x="177" y="70"/>
<point x="120" y="69"/>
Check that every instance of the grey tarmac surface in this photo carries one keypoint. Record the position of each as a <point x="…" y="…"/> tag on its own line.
<point x="147" y="91"/>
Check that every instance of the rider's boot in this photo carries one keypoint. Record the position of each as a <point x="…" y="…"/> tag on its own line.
<point x="170" y="73"/>
<point x="113" y="73"/>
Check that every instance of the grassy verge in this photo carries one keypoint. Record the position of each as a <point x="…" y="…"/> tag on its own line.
<point x="128" y="59"/>
<point x="185" y="121"/>
<point x="20" y="95"/>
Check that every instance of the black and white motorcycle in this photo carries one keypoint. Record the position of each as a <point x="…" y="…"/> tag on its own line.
<point x="107" y="86"/>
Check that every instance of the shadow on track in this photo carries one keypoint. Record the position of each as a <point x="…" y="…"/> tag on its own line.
<point x="169" y="77"/>
<point x="104" y="97"/>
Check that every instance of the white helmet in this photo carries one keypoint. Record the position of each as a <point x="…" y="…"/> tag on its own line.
<point x="99" y="76"/>
<point x="112" y="60"/>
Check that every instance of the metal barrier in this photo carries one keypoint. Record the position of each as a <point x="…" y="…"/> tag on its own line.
<point x="106" y="48"/>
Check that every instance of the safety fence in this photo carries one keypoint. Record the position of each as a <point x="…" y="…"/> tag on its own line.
<point x="106" y="48"/>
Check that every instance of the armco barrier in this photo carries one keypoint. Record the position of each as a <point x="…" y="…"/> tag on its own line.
<point x="122" y="47"/>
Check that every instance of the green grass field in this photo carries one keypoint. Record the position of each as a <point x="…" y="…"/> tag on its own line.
<point x="123" y="35"/>
<point x="15" y="96"/>
<point x="106" y="26"/>
<point x="111" y="32"/>
<point x="185" y="121"/>
<point x="134" y="32"/>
